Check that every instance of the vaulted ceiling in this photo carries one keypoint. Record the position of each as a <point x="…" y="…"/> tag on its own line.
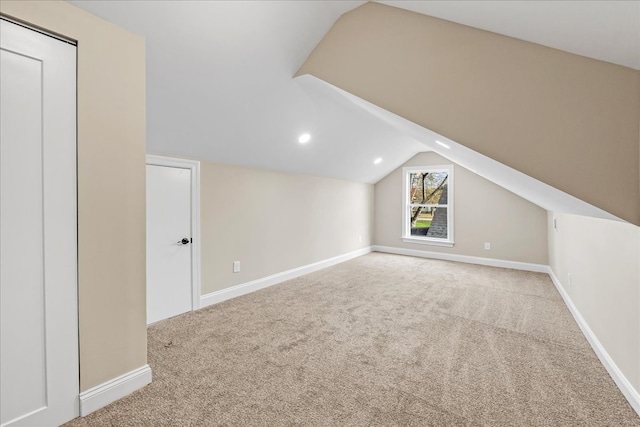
<point x="220" y="81"/>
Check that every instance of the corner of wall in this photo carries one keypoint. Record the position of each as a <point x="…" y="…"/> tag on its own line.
<point x="111" y="205"/>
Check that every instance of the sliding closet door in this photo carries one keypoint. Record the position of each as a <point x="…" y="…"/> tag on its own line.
<point x="38" y="222"/>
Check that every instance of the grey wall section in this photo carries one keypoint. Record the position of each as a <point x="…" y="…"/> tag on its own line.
<point x="272" y="221"/>
<point x="564" y="119"/>
<point x="483" y="212"/>
<point x="603" y="259"/>
<point x="111" y="187"/>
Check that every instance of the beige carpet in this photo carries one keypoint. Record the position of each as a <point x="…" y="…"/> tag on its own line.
<point x="379" y="340"/>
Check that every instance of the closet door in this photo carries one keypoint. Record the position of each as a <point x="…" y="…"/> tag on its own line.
<point x="38" y="223"/>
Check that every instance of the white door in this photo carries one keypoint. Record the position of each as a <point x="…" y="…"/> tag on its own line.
<point x="38" y="244"/>
<point x="169" y="242"/>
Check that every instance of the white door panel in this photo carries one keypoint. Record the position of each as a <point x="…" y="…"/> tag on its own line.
<point x="168" y="261"/>
<point x="38" y="248"/>
<point x="21" y="157"/>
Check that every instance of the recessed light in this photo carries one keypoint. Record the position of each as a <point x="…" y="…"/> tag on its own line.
<point x="443" y="144"/>
<point x="377" y="161"/>
<point x="304" y="138"/>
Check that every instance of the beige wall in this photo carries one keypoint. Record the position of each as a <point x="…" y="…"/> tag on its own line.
<point x="603" y="259"/>
<point x="483" y="212"/>
<point x="111" y="187"/>
<point x="566" y="120"/>
<point x="272" y="221"/>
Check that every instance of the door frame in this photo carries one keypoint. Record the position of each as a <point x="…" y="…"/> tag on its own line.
<point x="194" y="167"/>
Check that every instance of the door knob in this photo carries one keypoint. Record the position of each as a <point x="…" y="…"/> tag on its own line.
<point x="184" y="241"/>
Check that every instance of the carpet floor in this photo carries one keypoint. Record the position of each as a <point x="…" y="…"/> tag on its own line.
<point x="378" y="340"/>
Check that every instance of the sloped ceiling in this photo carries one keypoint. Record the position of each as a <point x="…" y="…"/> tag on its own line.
<point x="568" y="121"/>
<point x="220" y="87"/>
<point x="528" y="188"/>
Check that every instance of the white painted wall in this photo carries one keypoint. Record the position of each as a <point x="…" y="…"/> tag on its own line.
<point x="602" y="258"/>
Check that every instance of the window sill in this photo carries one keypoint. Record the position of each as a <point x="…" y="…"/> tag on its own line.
<point x="425" y="241"/>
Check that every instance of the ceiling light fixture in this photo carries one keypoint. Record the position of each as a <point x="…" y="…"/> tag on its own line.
<point x="443" y="144"/>
<point x="304" y="138"/>
<point x="377" y="161"/>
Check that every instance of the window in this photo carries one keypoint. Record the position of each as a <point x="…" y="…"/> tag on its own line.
<point x="428" y="205"/>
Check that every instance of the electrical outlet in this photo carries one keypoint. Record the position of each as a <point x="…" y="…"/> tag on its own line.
<point x="487" y="246"/>
<point x="360" y="238"/>
<point x="569" y="279"/>
<point x="236" y="266"/>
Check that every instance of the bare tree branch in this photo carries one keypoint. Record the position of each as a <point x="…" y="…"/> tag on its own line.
<point x="414" y="217"/>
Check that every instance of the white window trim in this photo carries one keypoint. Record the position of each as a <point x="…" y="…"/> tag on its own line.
<point x="406" y="226"/>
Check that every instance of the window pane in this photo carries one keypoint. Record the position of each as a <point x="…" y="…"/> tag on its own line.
<point x="428" y="188"/>
<point x="420" y="219"/>
<point x="438" y="227"/>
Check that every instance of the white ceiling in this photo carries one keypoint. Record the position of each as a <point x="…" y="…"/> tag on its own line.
<point x="220" y="81"/>
<point x="529" y="188"/>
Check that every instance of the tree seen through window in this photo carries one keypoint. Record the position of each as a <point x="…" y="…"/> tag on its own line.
<point x="428" y="202"/>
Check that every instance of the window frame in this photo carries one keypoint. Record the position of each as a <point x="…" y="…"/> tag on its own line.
<point x="406" y="206"/>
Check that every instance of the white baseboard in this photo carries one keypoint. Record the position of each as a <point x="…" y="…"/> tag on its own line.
<point x="516" y="265"/>
<point x="629" y="392"/>
<point x="245" y="288"/>
<point x="112" y="390"/>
